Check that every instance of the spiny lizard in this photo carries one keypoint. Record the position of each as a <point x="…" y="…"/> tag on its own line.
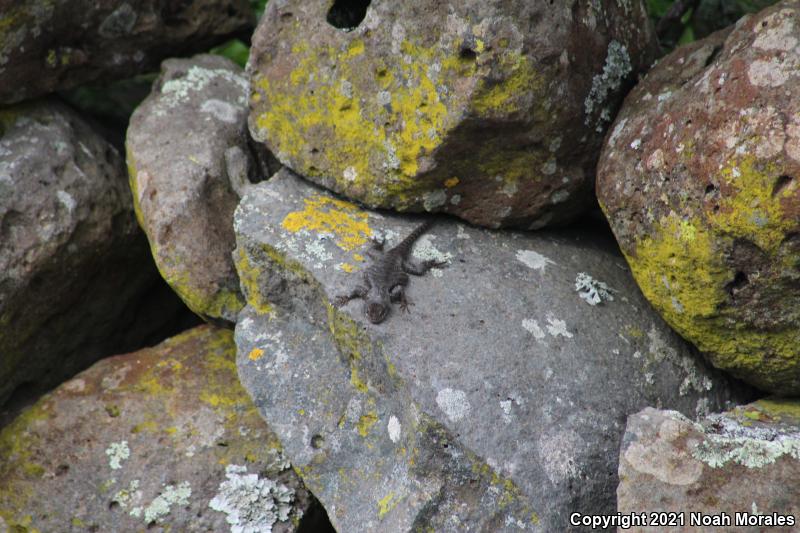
<point x="386" y="277"/>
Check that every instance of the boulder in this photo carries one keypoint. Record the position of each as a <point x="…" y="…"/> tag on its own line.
<point x="698" y="179"/>
<point x="76" y="278"/>
<point x="490" y="405"/>
<point x="164" y="437"/>
<point x="736" y="471"/>
<point x="185" y="144"/>
<point x="491" y="111"/>
<point x="48" y="45"/>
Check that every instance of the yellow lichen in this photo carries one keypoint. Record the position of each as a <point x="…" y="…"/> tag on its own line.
<point x="386" y="504"/>
<point x="751" y="210"/>
<point x="255" y="354"/>
<point x="511" y="94"/>
<point x="365" y="423"/>
<point x="324" y="214"/>
<point x="681" y="271"/>
<point x="249" y="275"/>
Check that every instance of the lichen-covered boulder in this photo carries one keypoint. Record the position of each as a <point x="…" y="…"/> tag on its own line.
<point x="47" y="45"/>
<point x="76" y="279"/>
<point x="189" y="158"/>
<point x="488" y="406"/>
<point x="164" y="437"/>
<point x="492" y="111"/>
<point x="736" y="471"/>
<point x="698" y="179"/>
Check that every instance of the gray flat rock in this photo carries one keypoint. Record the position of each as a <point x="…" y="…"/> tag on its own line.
<point x="498" y="403"/>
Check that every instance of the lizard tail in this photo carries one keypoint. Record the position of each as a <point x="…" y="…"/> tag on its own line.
<point x="415" y="234"/>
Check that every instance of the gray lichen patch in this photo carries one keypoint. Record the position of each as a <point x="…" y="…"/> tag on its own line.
<point x="750" y="446"/>
<point x="251" y="502"/>
<point x="616" y="68"/>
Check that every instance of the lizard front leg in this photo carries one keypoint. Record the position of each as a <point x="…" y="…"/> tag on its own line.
<point x="419" y="268"/>
<point x="359" y="291"/>
<point x="398" y="294"/>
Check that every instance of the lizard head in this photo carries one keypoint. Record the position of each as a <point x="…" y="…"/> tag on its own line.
<point x="376" y="311"/>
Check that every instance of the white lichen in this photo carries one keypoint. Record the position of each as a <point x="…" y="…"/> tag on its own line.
<point x="252" y="504"/>
<point x="453" y="403"/>
<point x="117" y="452"/>
<point x="532" y="327"/>
<point x="557" y="327"/>
<point x="534" y="260"/>
<point x="591" y="290"/>
<point x="162" y="504"/>
<point x="394" y="429"/>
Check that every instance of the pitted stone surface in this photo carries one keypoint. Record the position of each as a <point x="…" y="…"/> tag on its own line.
<point x="743" y="464"/>
<point x="489" y="405"/>
<point x="491" y="111"/>
<point x="698" y="179"/>
<point x="48" y="45"/>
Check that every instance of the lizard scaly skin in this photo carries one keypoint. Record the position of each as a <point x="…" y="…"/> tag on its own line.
<point x="386" y="277"/>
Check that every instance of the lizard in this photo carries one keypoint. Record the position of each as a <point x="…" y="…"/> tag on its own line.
<point x="386" y="277"/>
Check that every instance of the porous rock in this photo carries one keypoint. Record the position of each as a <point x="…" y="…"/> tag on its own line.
<point x="491" y="111"/>
<point x="742" y="466"/>
<point x="185" y="144"/>
<point x="488" y="406"/>
<point x="48" y="45"/>
<point x="75" y="272"/>
<point x="698" y="179"/>
<point x="161" y="438"/>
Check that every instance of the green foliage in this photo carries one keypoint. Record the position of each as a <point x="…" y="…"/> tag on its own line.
<point x="235" y="50"/>
<point x="258" y="7"/>
<point x="707" y="17"/>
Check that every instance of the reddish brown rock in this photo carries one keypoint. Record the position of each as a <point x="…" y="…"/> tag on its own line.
<point x="491" y="111"/>
<point x="737" y="471"/>
<point x="163" y="438"/>
<point x="189" y="159"/>
<point x="47" y="45"/>
<point x="698" y="179"/>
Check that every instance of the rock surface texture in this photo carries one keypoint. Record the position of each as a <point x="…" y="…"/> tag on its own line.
<point x="183" y="143"/>
<point x="699" y="180"/>
<point x="47" y="45"/>
<point x="491" y="111"/>
<point x="76" y="279"/>
<point x="488" y="406"/>
<point x="164" y="437"/>
<point x="743" y="464"/>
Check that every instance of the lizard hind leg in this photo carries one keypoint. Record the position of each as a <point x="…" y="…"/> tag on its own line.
<point x="398" y="294"/>
<point x="419" y="268"/>
<point x="358" y="292"/>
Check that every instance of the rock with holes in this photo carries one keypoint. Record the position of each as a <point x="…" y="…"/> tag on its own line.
<point x="698" y="181"/>
<point x="48" y="45"/>
<point x="164" y="437"/>
<point x="736" y="471"/>
<point x="491" y="111"/>
<point x="486" y="407"/>
<point x="189" y="158"/>
<point x="76" y="279"/>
